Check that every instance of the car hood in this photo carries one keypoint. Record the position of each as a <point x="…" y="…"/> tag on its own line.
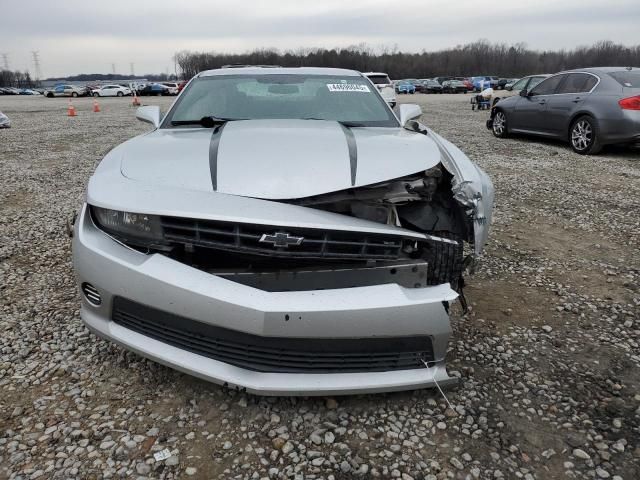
<point x="276" y="159"/>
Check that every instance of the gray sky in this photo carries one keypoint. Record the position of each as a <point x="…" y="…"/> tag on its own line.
<point x="76" y="36"/>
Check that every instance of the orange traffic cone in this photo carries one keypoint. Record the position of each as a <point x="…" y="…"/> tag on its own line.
<point x="71" y="111"/>
<point x="136" y="101"/>
<point x="96" y="107"/>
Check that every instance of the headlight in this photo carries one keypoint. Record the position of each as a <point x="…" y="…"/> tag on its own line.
<point x="129" y="226"/>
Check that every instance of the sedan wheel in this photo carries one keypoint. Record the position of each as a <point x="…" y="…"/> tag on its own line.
<point x="120" y="94"/>
<point x="583" y="136"/>
<point x="499" y="127"/>
<point x="74" y="94"/>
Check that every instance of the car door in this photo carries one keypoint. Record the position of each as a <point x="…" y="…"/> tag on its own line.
<point x="568" y="99"/>
<point x="530" y="111"/>
<point x="108" y="91"/>
<point x="68" y="90"/>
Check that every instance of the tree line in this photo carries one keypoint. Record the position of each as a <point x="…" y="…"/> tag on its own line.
<point x="477" y="58"/>
<point x="16" y="79"/>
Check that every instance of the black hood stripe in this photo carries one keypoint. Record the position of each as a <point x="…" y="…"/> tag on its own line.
<point x="353" y="152"/>
<point x="213" y="154"/>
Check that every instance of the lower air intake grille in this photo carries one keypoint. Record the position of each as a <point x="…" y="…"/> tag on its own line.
<point x="269" y="354"/>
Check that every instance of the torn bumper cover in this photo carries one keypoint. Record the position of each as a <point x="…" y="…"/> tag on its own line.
<point x="371" y="338"/>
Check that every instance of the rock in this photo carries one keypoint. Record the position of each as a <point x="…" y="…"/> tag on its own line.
<point x="227" y="445"/>
<point x="329" y="437"/>
<point x="547" y="328"/>
<point x="456" y="463"/>
<point x="581" y="454"/>
<point x="331" y="403"/>
<point x="191" y="471"/>
<point x="278" y="442"/>
<point x="172" y="460"/>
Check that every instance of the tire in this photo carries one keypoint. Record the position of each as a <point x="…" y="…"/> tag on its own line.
<point x="96" y="94"/>
<point x="499" y="126"/>
<point x="583" y="136"/>
<point x="49" y="95"/>
<point x="120" y="94"/>
<point x="74" y="94"/>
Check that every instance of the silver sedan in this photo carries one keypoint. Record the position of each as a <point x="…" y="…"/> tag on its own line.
<point x="282" y="231"/>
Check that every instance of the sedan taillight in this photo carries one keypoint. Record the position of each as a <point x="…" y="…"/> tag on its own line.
<point x="630" y="103"/>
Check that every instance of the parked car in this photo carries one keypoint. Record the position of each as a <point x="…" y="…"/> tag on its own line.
<point x="11" y="91"/>
<point x="154" y="89"/>
<point x="482" y="82"/>
<point x="28" y="91"/>
<point x="503" y="82"/>
<point x="525" y="83"/>
<point x="589" y="108"/>
<point x="431" y="86"/>
<point x="440" y="80"/>
<point x="405" y="87"/>
<point x="467" y="83"/>
<point x="453" y="86"/>
<point x="181" y="85"/>
<point x="241" y="241"/>
<point x="173" y="87"/>
<point x="384" y="86"/>
<point x="416" y="83"/>
<point x="111" y="91"/>
<point x="66" y="91"/>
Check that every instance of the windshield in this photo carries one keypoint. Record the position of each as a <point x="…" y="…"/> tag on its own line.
<point x="379" y="79"/>
<point x="627" y="79"/>
<point x="275" y="96"/>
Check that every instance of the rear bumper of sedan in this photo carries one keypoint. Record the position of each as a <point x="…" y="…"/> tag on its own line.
<point x="341" y="341"/>
<point x="623" y="130"/>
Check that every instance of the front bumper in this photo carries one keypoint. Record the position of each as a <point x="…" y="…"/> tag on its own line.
<point x="170" y="286"/>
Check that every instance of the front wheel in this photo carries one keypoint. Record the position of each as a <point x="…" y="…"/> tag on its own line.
<point x="74" y="94"/>
<point x="96" y="94"/>
<point x="583" y="136"/>
<point x="499" y="126"/>
<point x="120" y="94"/>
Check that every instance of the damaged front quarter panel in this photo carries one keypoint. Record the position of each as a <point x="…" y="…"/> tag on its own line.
<point x="471" y="187"/>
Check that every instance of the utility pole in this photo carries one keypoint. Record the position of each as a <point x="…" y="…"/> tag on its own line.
<point x="113" y="68"/>
<point x="132" y="69"/>
<point x="5" y="59"/>
<point x="36" y="63"/>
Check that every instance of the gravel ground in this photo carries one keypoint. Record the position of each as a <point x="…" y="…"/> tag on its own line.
<point x="548" y="355"/>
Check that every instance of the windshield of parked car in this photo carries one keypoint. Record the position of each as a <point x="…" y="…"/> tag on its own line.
<point x="627" y="79"/>
<point x="379" y="79"/>
<point x="348" y="99"/>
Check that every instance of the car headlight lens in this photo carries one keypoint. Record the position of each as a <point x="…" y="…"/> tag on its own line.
<point x="130" y="226"/>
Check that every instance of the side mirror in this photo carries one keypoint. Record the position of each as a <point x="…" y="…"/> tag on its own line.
<point x="509" y="88"/>
<point x="409" y="111"/>
<point x="149" y="114"/>
<point x="524" y="93"/>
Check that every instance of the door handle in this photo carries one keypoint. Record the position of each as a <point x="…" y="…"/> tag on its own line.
<point x="542" y="102"/>
<point x="576" y="100"/>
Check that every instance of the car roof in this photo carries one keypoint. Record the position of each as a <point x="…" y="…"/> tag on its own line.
<point x="280" y="71"/>
<point x="602" y="69"/>
<point x="374" y="73"/>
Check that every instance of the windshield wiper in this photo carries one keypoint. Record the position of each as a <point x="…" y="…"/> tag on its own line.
<point x="206" y="122"/>
<point x="341" y="122"/>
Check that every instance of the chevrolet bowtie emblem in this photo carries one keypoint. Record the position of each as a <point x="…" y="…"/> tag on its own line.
<point x="280" y="239"/>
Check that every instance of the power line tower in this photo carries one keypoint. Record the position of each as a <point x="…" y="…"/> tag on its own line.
<point x="5" y="60"/>
<point x="36" y="64"/>
<point x="132" y="69"/>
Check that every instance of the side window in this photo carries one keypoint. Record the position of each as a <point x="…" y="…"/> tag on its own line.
<point x="519" y="85"/>
<point x="534" y="81"/>
<point x="590" y="83"/>
<point x="548" y="87"/>
<point x="577" y="83"/>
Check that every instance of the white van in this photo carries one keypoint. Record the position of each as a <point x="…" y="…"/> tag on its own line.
<point x="381" y="80"/>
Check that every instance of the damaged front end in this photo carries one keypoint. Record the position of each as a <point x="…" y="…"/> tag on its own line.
<point x="427" y="217"/>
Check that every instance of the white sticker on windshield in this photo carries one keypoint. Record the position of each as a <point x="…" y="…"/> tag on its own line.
<point x="347" y="87"/>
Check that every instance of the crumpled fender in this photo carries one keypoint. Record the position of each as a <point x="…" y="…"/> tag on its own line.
<point x="472" y="188"/>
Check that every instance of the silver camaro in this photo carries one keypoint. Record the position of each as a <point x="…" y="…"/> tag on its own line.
<point x="282" y="231"/>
